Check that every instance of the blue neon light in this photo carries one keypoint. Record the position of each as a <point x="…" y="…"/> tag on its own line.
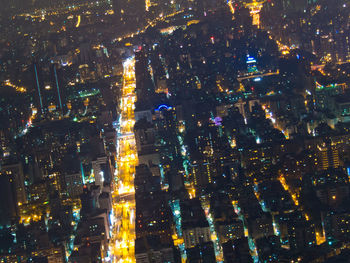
<point x="82" y="172"/>
<point x="58" y="88"/>
<point x="38" y="86"/>
<point x="163" y="106"/>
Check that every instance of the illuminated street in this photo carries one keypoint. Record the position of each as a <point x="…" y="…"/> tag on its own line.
<point x="175" y="131"/>
<point x="123" y="236"/>
<point x="214" y="235"/>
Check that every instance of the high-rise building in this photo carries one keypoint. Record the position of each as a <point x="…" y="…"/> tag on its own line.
<point x="328" y="156"/>
<point x="8" y="204"/>
<point x="57" y="88"/>
<point x="203" y="252"/>
<point x="74" y="184"/>
<point x="15" y="171"/>
<point x="237" y="251"/>
<point x="296" y="5"/>
<point x="48" y="91"/>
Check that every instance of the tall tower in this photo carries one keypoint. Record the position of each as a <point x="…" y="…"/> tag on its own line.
<point x="255" y="7"/>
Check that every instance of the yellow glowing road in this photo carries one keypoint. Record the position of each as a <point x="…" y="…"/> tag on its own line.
<point x="78" y="22"/>
<point x="230" y="5"/>
<point x="122" y="244"/>
<point x="152" y="23"/>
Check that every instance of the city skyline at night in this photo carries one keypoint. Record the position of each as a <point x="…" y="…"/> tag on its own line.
<point x="174" y="131"/>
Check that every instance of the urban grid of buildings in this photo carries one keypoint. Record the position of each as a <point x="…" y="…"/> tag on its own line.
<point x="173" y="131"/>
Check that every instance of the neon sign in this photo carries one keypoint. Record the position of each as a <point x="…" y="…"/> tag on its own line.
<point x="163" y="106"/>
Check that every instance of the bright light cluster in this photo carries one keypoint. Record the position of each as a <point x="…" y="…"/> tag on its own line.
<point x="123" y="235"/>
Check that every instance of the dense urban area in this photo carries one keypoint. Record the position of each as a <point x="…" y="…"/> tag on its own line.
<point x="174" y="131"/>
